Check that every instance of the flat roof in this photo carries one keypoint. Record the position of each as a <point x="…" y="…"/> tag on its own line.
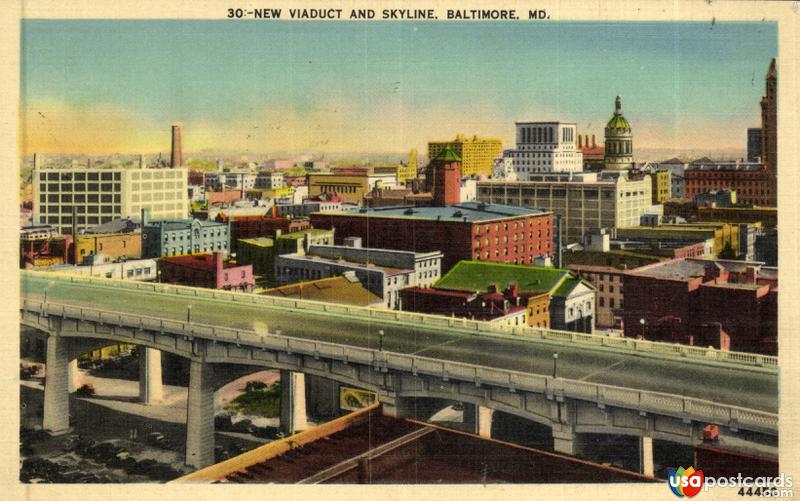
<point x="338" y="290"/>
<point x="474" y="276"/>
<point x="350" y="264"/>
<point x="472" y="212"/>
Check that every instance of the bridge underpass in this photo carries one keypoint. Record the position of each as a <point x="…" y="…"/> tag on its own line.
<point x="569" y="406"/>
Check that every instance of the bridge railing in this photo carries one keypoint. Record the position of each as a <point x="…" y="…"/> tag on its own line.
<point x="437" y="321"/>
<point x="641" y="400"/>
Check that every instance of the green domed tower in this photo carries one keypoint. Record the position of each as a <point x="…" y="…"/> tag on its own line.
<point x="619" y="141"/>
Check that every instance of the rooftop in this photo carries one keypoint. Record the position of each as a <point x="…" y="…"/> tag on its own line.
<point x="725" y="166"/>
<point x="402" y="451"/>
<point x="259" y="241"/>
<point x="340" y="290"/>
<point x="205" y="262"/>
<point x="311" y="232"/>
<point x="467" y="212"/>
<point x="182" y="224"/>
<point x="689" y="268"/>
<point x="475" y="276"/>
<point x="389" y="271"/>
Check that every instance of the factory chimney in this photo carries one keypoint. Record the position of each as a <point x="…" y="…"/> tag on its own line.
<point x="177" y="145"/>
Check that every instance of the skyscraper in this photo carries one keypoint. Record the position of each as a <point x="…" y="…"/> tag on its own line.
<point x="769" y="133"/>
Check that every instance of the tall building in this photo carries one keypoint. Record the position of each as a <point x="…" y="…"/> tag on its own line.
<point x="477" y="154"/>
<point x="97" y="195"/>
<point x="409" y="170"/>
<point x="176" y="158"/>
<point x="619" y="140"/>
<point x="769" y="134"/>
<point x="754" y="144"/>
<point x="584" y="201"/>
<point x="545" y="147"/>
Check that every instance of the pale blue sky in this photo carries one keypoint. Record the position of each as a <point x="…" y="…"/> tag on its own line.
<point x="383" y="86"/>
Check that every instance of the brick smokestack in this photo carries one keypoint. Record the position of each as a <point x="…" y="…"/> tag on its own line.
<point x="177" y="146"/>
<point x="218" y="265"/>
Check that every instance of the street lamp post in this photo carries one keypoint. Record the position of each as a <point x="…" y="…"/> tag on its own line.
<point x="555" y="365"/>
<point x="189" y="313"/>
<point x="380" y="340"/>
<point x="643" y="323"/>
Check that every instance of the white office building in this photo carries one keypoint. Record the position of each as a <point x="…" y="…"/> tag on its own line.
<point x="99" y="195"/>
<point x="544" y="147"/>
<point x="610" y="199"/>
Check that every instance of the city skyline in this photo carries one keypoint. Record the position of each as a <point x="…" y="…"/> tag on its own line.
<point x="100" y="87"/>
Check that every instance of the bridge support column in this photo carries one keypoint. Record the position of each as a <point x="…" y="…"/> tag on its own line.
<point x="200" y="416"/>
<point x="56" y="388"/>
<point x="646" y="456"/>
<point x="293" y="402"/>
<point x="479" y="419"/>
<point x="322" y="397"/>
<point x="151" y="390"/>
<point x="565" y="441"/>
<point x="75" y="378"/>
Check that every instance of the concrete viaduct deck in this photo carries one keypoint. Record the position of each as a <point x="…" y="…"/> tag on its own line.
<point x="602" y="385"/>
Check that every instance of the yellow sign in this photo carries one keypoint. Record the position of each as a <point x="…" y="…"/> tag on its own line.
<point x="351" y="399"/>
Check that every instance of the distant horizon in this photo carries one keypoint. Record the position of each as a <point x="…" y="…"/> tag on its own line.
<point x="98" y="87"/>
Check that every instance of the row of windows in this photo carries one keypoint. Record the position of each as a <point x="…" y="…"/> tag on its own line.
<point x="139" y="272"/>
<point x="516" y="224"/>
<point x="517" y="237"/>
<point x="158" y="186"/>
<point x="80" y="176"/>
<point x="82" y="220"/>
<point x="610" y="303"/>
<point x="81" y="209"/>
<point x="181" y="250"/>
<point x="539" y="248"/>
<point x="78" y="187"/>
<point x="338" y="188"/>
<point x="92" y="198"/>
<point x="157" y="174"/>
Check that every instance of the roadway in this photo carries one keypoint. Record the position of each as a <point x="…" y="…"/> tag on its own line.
<point x="729" y="385"/>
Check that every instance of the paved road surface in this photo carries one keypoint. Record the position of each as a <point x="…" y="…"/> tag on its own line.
<point x="727" y="385"/>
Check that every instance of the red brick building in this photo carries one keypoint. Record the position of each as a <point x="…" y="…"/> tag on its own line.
<point x="206" y="270"/>
<point x="751" y="181"/>
<point x="730" y="305"/>
<point x="466" y="231"/>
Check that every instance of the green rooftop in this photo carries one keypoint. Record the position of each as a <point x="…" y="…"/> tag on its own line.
<point x="568" y="286"/>
<point x="259" y="241"/>
<point x="474" y="276"/>
<point x="446" y="155"/>
<point x="618" y="122"/>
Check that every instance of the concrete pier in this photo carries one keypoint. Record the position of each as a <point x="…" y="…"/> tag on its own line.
<point x="293" y="402"/>
<point x="151" y="389"/>
<point x="200" y="416"/>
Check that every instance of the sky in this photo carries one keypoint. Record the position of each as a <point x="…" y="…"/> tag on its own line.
<point x="97" y="87"/>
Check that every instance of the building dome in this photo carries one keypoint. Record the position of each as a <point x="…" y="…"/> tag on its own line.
<point x="618" y="121"/>
<point x="619" y="141"/>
